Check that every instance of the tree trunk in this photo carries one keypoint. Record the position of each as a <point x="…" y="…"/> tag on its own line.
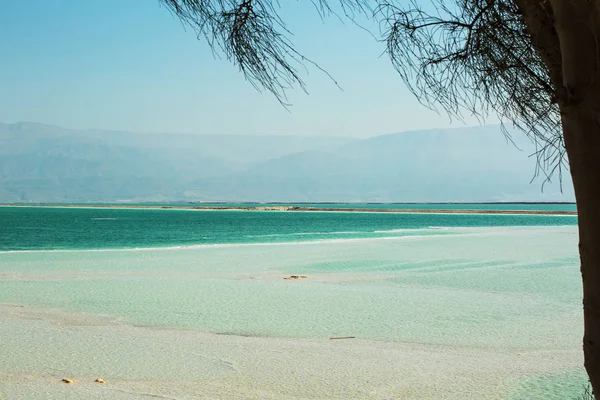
<point x="577" y="25"/>
<point x="581" y="129"/>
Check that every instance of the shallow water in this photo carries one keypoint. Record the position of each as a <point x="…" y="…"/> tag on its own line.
<point x="494" y="309"/>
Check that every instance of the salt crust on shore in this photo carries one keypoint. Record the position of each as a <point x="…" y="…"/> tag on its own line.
<point x="478" y="314"/>
<point x="39" y="347"/>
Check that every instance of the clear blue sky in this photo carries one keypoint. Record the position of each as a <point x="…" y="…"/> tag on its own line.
<point x="130" y="65"/>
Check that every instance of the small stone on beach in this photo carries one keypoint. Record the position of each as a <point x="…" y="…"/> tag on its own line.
<point x="293" y="277"/>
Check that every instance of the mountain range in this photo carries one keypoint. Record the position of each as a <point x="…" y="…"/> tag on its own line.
<point x="43" y="163"/>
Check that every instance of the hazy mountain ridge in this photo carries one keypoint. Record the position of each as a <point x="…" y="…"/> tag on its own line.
<point x="41" y="163"/>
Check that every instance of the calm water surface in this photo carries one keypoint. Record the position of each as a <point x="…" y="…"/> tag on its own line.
<point x="31" y="228"/>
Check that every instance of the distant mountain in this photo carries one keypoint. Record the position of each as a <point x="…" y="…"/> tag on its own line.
<point x="41" y="163"/>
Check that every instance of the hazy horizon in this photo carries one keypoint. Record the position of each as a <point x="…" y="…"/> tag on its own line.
<point x="193" y="133"/>
<point x="44" y="163"/>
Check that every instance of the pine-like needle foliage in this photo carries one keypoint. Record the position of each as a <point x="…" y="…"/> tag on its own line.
<point x="461" y="56"/>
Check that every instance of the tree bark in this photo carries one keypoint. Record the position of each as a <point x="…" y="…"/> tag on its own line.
<point x="582" y="140"/>
<point x="577" y="25"/>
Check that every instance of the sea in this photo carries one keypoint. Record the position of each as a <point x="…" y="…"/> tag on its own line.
<point x="185" y="303"/>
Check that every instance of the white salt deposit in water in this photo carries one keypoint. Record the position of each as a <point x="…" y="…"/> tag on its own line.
<point x="486" y="313"/>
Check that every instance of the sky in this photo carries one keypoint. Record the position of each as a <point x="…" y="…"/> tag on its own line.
<point x="131" y="65"/>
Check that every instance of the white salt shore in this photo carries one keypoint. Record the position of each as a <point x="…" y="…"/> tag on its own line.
<point x="40" y="347"/>
<point x="482" y="313"/>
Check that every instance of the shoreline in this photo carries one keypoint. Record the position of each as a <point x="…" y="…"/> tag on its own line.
<point x="300" y="209"/>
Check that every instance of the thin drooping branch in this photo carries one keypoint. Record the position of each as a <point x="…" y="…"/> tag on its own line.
<point x="252" y="35"/>
<point x="477" y="56"/>
<point x="461" y="56"/>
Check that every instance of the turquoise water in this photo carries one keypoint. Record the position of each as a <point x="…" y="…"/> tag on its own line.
<point x="492" y="265"/>
<point x="35" y="228"/>
<point x="498" y="284"/>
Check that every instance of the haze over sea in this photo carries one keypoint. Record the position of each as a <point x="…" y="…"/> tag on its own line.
<point x="192" y="304"/>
